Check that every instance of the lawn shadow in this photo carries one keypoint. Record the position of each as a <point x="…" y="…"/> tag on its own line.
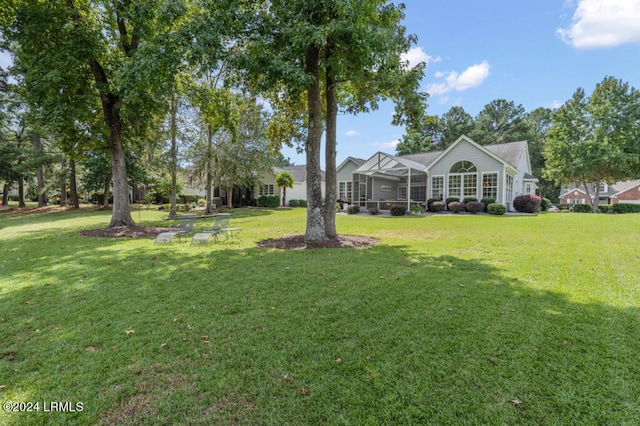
<point x="231" y="336"/>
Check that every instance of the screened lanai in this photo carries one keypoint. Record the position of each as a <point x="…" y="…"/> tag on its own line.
<point x="386" y="179"/>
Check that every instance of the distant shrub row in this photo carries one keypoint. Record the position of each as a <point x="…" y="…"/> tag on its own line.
<point x="297" y="203"/>
<point x="268" y="201"/>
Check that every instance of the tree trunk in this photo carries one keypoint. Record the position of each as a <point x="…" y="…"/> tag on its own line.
<point x="5" y="194"/>
<point x="330" y="198"/>
<point x="230" y="197"/>
<point x="73" y="185"/>
<point x="284" y="196"/>
<point x="586" y="190"/>
<point x="173" y="213"/>
<point x="63" y="183"/>
<point x="315" y="231"/>
<point x="37" y="148"/>
<point x="121" y="213"/>
<point x="209" y="183"/>
<point x="21" y="193"/>
<point x="105" y="194"/>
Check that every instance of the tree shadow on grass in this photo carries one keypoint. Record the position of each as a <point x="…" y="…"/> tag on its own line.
<point x="254" y="336"/>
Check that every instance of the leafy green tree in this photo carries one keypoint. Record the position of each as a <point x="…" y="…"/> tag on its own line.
<point x="500" y="121"/>
<point x="595" y="139"/>
<point x="81" y="58"/>
<point x="352" y="51"/>
<point x="284" y="180"/>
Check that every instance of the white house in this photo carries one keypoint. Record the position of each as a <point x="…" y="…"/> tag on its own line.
<point x="465" y="169"/>
<point x="268" y="185"/>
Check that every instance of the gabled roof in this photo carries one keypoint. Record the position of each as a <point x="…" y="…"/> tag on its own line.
<point x="507" y="153"/>
<point x="299" y="173"/>
<point x="620" y="187"/>
<point x="390" y="164"/>
<point x="357" y="161"/>
<point x="511" y="152"/>
<point x="612" y="189"/>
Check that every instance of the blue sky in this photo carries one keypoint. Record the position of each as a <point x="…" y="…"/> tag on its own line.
<point x="534" y="53"/>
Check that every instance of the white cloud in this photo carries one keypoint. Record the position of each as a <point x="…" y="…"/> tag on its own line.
<point x="351" y="133"/>
<point x="416" y="55"/>
<point x="468" y="79"/>
<point x="603" y="23"/>
<point x="387" y="145"/>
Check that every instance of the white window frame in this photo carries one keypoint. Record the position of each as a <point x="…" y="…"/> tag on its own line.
<point x="493" y="189"/>
<point x="508" y="188"/>
<point x="267" y="189"/>
<point x="440" y="188"/>
<point x="345" y="190"/>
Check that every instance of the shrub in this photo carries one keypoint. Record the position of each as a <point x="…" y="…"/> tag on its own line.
<point x="527" y="203"/>
<point x="353" y="209"/>
<point x="452" y="200"/>
<point x="431" y="201"/>
<point x="564" y="206"/>
<point x="605" y="208"/>
<point x="294" y="203"/>
<point x="469" y="199"/>
<point x="626" y="208"/>
<point x="486" y="201"/>
<point x="582" y="208"/>
<point x="456" y="206"/>
<point x="187" y="207"/>
<point x="496" y="209"/>
<point x="475" y="207"/>
<point x="437" y="206"/>
<point x="202" y="201"/>
<point x="373" y="210"/>
<point x="416" y="209"/>
<point x="302" y="203"/>
<point x="268" y="201"/>
<point x="545" y="204"/>
<point x="398" y="210"/>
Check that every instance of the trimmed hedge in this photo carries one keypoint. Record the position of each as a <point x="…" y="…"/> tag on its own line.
<point x="527" y="203"/>
<point x="605" y="208"/>
<point x="431" y="201"/>
<point x="437" y="206"/>
<point x="294" y="203"/>
<point x="398" y="210"/>
<point x="626" y="208"/>
<point x="268" y="201"/>
<point x="496" y="209"/>
<point x="582" y="208"/>
<point x="474" y="207"/>
<point x="469" y="199"/>
<point x="456" y="206"/>
<point x="353" y="209"/>
<point x="452" y="200"/>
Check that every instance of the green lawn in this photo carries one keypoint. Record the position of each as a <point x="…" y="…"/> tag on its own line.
<point x="448" y="320"/>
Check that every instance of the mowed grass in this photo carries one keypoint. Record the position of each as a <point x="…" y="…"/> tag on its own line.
<point x="448" y="320"/>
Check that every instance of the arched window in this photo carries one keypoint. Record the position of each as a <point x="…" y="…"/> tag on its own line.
<point x="463" y="180"/>
<point x="463" y="166"/>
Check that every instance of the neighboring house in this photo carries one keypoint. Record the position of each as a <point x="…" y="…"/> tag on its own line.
<point x="619" y="192"/>
<point x="344" y="177"/>
<point x="268" y="185"/>
<point x="465" y="169"/>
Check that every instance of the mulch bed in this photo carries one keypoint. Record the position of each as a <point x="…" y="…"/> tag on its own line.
<point x="296" y="242"/>
<point x="293" y="242"/>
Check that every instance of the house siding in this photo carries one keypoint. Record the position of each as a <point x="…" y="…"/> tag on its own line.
<point x="465" y="151"/>
<point x="631" y="195"/>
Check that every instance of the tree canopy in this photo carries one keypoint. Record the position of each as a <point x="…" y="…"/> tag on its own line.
<point x="595" y="139"/>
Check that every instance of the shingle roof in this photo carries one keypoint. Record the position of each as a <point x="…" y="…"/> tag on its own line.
<point x="511" y="152"/>
<point x="299" y="173"/>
